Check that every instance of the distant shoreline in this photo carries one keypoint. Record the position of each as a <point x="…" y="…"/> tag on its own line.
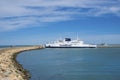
<point x="98" y="46"/>
<point x="10" y="69"/>
<point x="108" y="46"/>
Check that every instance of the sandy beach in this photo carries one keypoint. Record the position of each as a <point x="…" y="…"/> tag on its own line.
<point x="10" y="69"/>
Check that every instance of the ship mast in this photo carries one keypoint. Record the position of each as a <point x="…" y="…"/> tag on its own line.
<point x="77" y="37"/>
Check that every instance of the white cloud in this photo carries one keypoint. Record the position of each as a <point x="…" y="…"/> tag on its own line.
<point x="24" y="12"/>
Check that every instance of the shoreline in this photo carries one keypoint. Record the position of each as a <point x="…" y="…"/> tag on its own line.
<point x="10" y="69"/>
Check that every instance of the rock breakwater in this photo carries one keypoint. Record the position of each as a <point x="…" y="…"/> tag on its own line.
<point x="10" y="69"/>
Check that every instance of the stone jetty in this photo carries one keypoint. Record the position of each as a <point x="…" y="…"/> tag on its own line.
<point x="10" y="69"/>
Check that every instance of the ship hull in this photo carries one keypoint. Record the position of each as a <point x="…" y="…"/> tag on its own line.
<point x="69" y="47"/>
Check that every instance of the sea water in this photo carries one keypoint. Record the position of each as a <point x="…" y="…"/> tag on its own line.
<point x="72" y="64"/>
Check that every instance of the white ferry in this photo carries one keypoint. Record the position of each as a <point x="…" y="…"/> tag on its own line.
<point x="68" y="43"/>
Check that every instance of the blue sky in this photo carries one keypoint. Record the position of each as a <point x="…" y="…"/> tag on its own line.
<point x="39" y="21"/>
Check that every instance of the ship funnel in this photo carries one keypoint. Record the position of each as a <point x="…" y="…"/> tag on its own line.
<point x="67" y="39"/>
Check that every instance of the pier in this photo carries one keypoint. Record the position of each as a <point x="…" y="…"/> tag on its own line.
<point x="10" y="69"/>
